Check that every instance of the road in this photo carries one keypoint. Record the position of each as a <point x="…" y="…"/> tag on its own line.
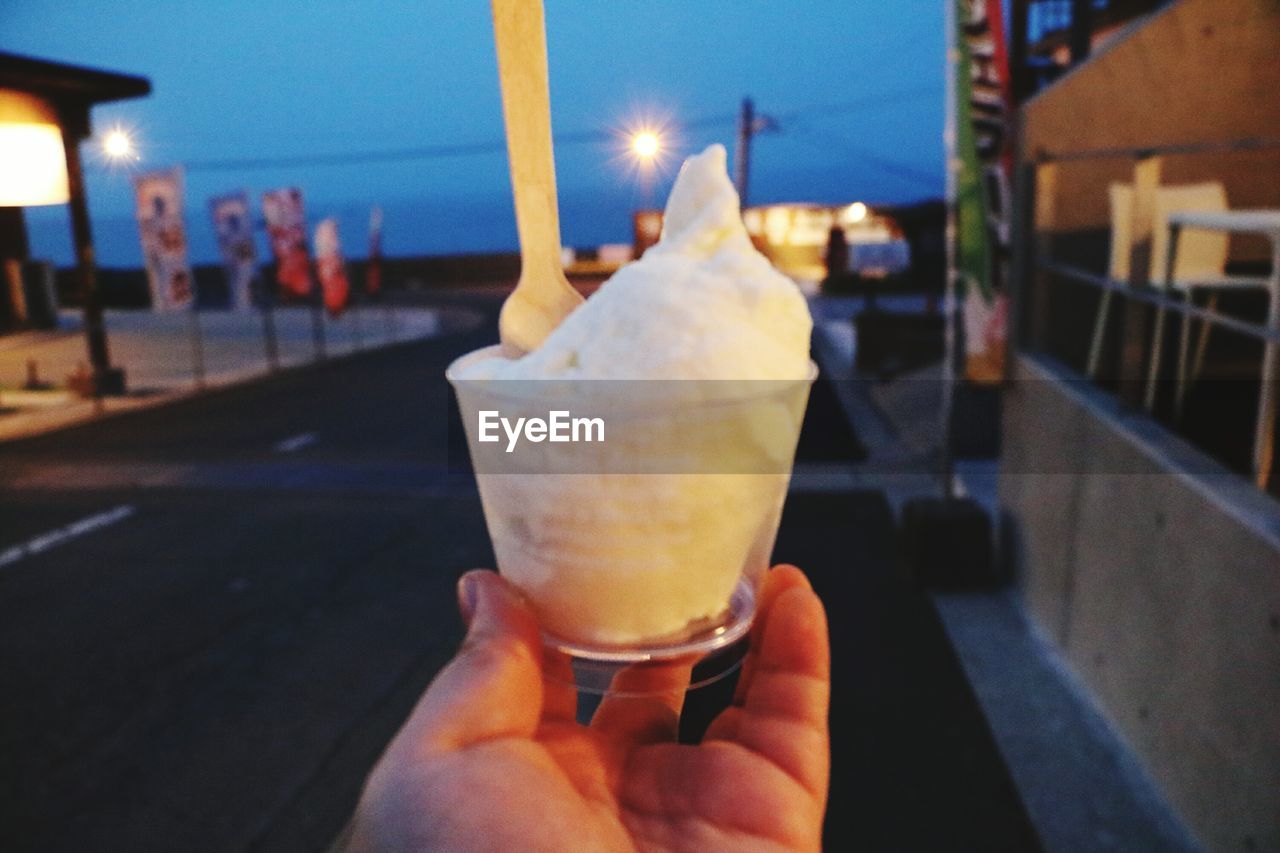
<point x="214" y="614"/>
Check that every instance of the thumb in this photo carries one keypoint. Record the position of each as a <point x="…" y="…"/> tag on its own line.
<point x="493" y="687"/>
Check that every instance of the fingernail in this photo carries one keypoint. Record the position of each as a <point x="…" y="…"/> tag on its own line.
<point x="468" y="595"/>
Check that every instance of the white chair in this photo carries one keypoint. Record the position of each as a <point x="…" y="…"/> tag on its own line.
<point x="1121" y="199"/>
<point x="1200" y="263"/>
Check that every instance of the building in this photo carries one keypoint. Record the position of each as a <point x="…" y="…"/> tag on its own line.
<point x="1146" y="529"/>
<point x="44" y="116"/>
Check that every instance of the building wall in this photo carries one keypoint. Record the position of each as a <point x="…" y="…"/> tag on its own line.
<point x="1154" y="570"/>
<point x="1196" y="71"/>
<point x="1158" y="576"/>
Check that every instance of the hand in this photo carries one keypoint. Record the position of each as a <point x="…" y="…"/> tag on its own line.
<point x="492" y="757"/>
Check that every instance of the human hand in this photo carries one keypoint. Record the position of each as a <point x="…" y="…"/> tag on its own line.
<point x="492" y="758"/>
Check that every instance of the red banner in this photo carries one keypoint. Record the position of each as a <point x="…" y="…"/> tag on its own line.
<point x="331" y="267"/>
<point x="287" y="230"/>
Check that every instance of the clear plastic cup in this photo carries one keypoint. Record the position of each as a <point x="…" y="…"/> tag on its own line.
<point x="648" y="544"/>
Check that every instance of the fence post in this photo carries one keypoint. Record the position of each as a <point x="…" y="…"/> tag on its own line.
<point x="197" y="344"/>
<point x="1265" y="432"/>
<point x="356" y="331"/>
<point x="1133" y="343"/>
<point x="317" y="329"/>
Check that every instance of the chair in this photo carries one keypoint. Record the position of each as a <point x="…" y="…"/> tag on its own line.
<point x="1199" y="263"/>
<point x="1121" y="199"/>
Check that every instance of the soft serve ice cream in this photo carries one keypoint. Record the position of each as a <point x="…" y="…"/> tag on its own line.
<point x="611" y="557"/>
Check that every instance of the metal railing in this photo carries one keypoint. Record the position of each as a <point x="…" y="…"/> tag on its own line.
<point x="1034" y="268"/>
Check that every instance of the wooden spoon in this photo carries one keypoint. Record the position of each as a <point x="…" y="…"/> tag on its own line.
<point x="543" y="296"/>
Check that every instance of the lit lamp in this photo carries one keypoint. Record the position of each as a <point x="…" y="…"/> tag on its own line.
<point x="646" y="146"/>
<point x="33" y="161"/>
<point x="855" y="213"/>
<point x="33" y="171"/>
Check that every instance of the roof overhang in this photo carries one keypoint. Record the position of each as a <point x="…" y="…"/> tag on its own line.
<point x="71" y="89"/>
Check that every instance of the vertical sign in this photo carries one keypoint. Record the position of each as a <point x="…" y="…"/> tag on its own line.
<point x="164" y="239"/>
<point x="233" y="223"/>
<point x="373" y="270"/>
<point x="982" y="204"/>
<point x="287" y="229"/>
<point x="332" y="269"/>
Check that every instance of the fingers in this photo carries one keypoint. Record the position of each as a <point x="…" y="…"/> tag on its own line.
<point x="493" y="686"/>
<point x="559" y="695"/>
<point x="777" y="581"/>
<point x="644" y="702"/>
<point x="783" y="715"/>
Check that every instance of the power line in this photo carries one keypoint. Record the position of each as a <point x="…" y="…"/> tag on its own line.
<point x="383" y="156"/>
<point x="430" y="152"/>
<point x="827" y="141"/>
<point x="878" y="100"/>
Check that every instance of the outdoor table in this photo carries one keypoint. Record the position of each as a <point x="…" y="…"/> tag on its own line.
<point x="1266" y="223"/>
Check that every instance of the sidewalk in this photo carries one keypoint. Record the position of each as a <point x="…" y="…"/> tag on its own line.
<point x="1081" y="784"/>
<point x="157" y="353"/>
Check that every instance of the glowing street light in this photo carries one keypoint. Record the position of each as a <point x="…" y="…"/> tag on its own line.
<point x="856" y="212"/>
<point x="646" y="147"/>
<point x="117" y="145"/>
<point x="646" y="144"/>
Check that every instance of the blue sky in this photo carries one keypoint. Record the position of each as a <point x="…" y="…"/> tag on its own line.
<point x="284" y="79"/>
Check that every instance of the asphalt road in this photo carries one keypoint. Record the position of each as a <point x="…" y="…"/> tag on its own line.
<point x="214" y="615"/>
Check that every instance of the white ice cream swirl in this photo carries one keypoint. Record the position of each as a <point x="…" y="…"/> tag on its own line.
<point x="700" y="304"/>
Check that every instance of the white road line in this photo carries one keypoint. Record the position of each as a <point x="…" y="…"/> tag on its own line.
<point x="294" y="443"/>
<point x="53" y="538"/>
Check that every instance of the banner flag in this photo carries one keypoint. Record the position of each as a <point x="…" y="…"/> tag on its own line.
<point x="287" y="230"/>
<point x="983" y="207"/>
<point x="233" y="223"/>
<point x="332" y="268"/>
<point x="164" y="239"/>
<point x="373" y="269"/>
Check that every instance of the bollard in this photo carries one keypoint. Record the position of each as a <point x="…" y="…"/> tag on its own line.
<point x="33" y="382"/>
<point x="355" y="327"/>
<point x="269" y="338"/>
<point x="317" y="331"/>
<point x="197" y="347"/>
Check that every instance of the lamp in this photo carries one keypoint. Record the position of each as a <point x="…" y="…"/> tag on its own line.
<point x="33" y="164"/>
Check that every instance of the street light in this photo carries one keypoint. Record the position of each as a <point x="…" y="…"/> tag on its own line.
<point x="117" y="145"/>
<point x="646" y="145"/>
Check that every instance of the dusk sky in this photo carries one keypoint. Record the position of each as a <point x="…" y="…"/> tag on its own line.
<point x="856" y="86"/>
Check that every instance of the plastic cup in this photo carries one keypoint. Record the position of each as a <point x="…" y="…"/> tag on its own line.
<point x="648" y="544"/>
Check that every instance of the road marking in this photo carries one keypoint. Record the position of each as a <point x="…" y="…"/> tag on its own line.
<point x="294" y="443"/>
<point x="53" y="538"/>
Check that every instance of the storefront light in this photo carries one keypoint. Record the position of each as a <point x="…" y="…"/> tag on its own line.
<point x="33" y="163"/>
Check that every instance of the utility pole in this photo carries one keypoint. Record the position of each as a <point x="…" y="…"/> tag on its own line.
<point x="742" y="153"/>
<point x="748" y="126"/>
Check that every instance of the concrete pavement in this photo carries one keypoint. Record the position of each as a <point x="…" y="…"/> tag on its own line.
<point x="159" y="355"/>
